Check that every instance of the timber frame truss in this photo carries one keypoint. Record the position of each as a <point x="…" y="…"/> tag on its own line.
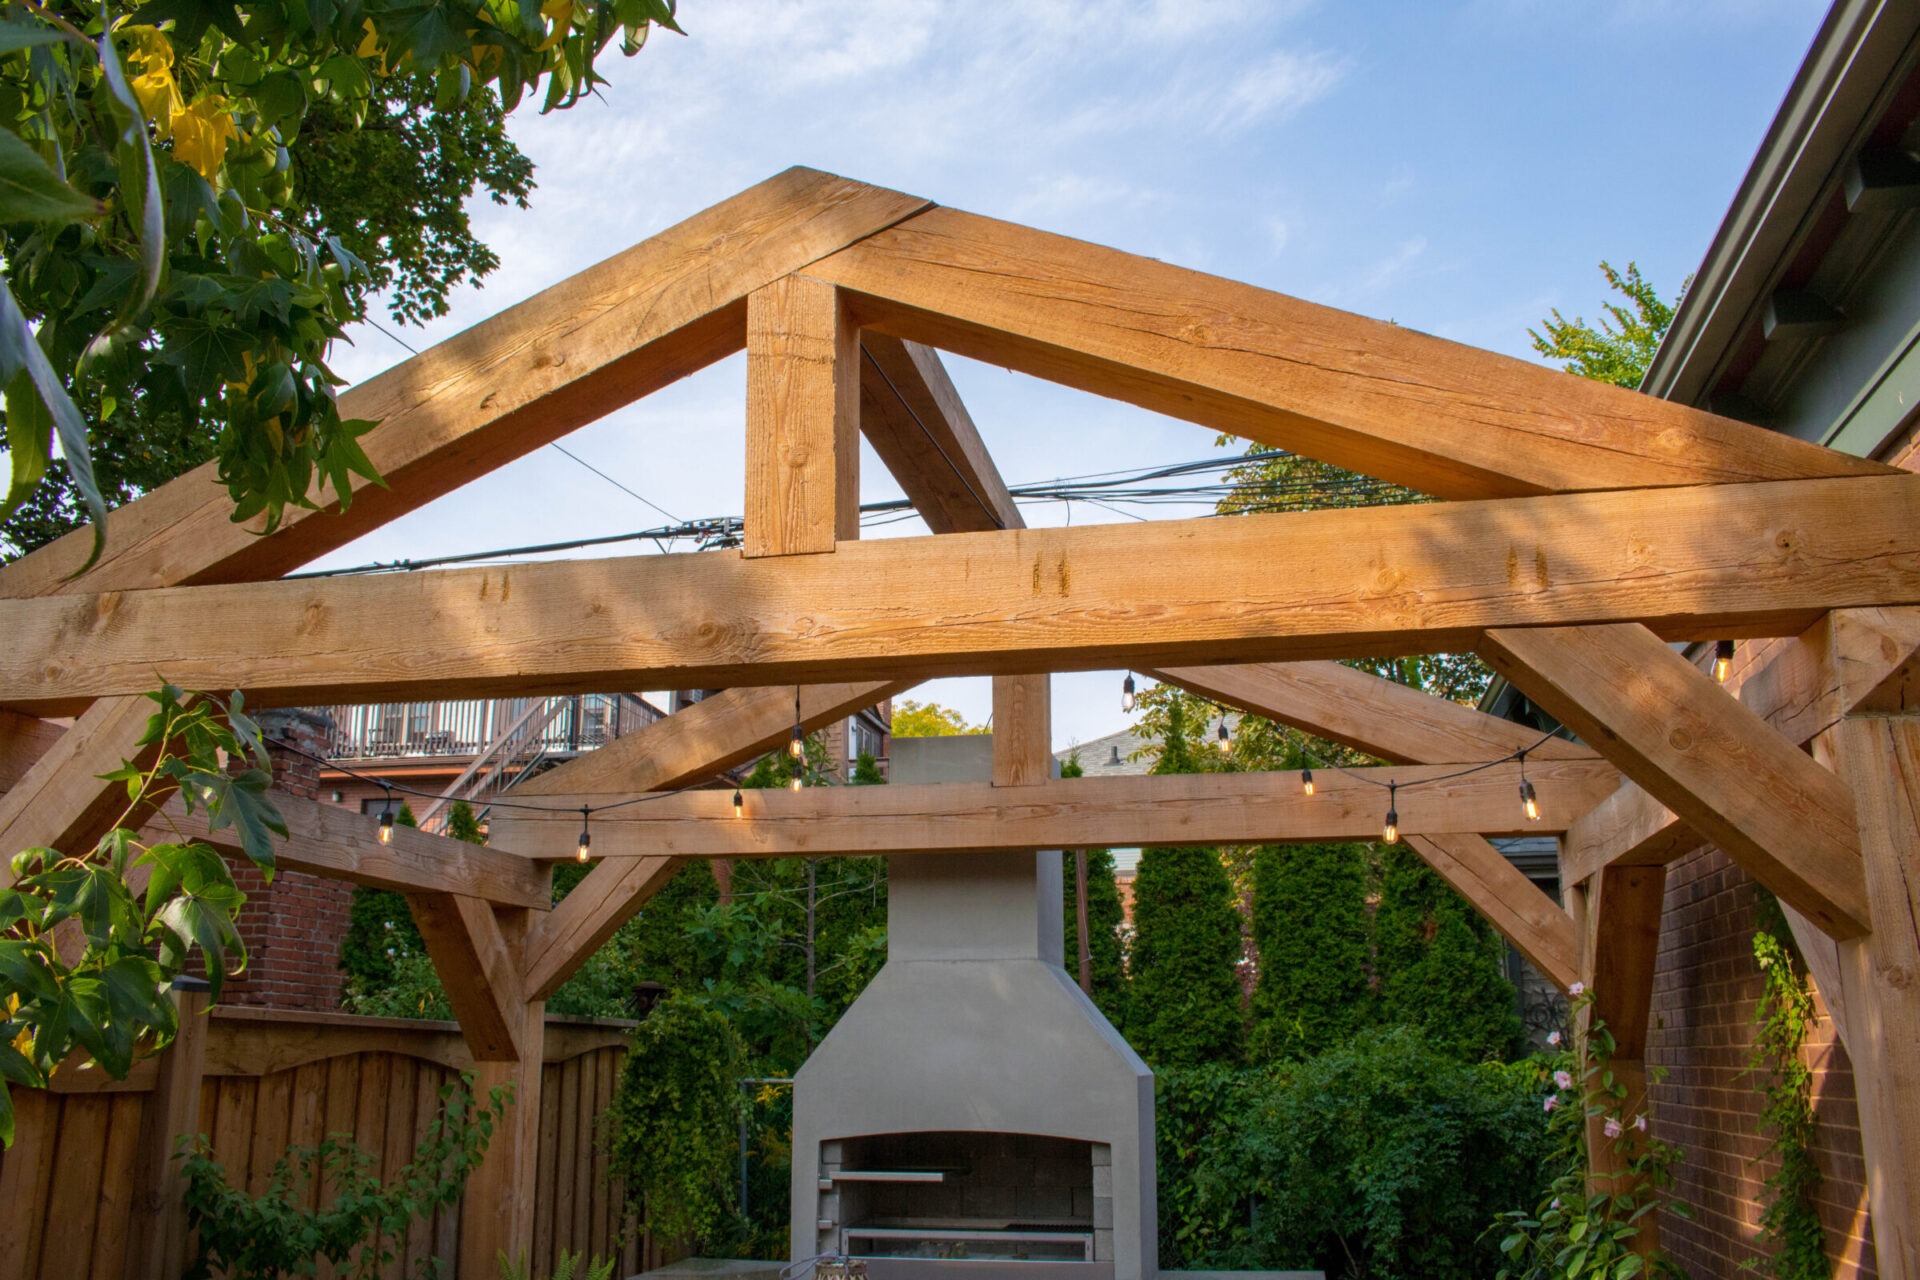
<point x="1581" y="529"/>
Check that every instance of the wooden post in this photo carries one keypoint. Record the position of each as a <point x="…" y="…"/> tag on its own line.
<point x="497" y="1215"/>
<point x="1879" y="974"/>
<point x="1618" y="913"/>
<point x="803" y="419"/>
<point x="157" y="1241"/>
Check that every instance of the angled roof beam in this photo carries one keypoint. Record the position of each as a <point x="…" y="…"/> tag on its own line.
<point x="1690" y="562"/>
<point x="1439" y="417"/>
<point x="913" y="416"/>
<point x="1786" y="820"/>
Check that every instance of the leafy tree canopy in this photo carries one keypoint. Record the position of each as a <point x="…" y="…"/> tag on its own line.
<point x="930" y="720"/>
<point x="1621" y="346"/>
<point x="169" y="260"/>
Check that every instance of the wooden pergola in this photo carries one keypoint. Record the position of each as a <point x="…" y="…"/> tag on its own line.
<point x="1582" y="529"/>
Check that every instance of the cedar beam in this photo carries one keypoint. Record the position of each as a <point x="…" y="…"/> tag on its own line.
<point x="23" y="740"/>
<point x="1241" y="808"/>
<point x="478" y="969"/>
<point x="643" y="319"/>
<point x="689" y="746"/>
<point x="803" y="420"/>
<point x="913" y="416"/>
<point x="1787" y="821"/>
<point x="1850" y="660"/>
<point x="326" y="840"/>
<point x="1689" y="562"/>
<point x="1376" y="398"/>
<point x="60" y="802"/>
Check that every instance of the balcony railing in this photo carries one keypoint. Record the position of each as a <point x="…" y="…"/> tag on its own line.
<point x="393" y="730"/>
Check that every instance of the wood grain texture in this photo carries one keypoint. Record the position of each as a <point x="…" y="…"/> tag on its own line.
<point x="1373" y="397"/>
<point x="920" y="428"/>
<point x="1628" y="828"/>
<point x="803" y="420"/>
<point x="1375" y="715"/>
<point x="1515" y="906"/>
<point x="645" y="318"/>
<point x="331" y="841"/>
<point x="1722" y="560"/>
<point x="1241" y="808"/>
<point x="158" y="1237"/>
<point x="23" y="740"/>
<point x="1022" y="730"/>
<point x="496" y="1215"/>
<point x="478" y="969"/>
<point x="60" y="802"/>
<point x="1880" y="974"/>
<point x="1785" y="820"/>
<point x="689" y="746"/>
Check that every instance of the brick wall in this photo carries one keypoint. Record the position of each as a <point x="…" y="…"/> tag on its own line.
<point x="1706" y="989"/>
<point x="293" y="926"/>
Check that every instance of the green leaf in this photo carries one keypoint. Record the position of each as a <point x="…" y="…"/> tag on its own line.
<point x="19" y="349"/>
<point x="136" y="162"/>
<point x="15" y="36"/>
<point x="29" y="437"/>
<point x="1631" y="1265"/>
<point x="30" y="191"/>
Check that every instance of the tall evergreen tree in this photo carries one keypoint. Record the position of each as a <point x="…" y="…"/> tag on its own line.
<point x="1104" y="918"/>
<point x="1311" y="928"/>
<point x="1184" y="993"/>
<point x="1440" y="964"/>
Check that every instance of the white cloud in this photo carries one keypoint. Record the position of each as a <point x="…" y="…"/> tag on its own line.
<point x="1279" y="233"/>
<point x="1391" y="269"/>
<point x="1279" y="87"/>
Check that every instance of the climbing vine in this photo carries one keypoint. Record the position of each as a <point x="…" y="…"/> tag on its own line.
<point x="1791" y="1219"/>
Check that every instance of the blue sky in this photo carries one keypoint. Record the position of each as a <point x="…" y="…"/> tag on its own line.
<point x="1460" y="168"/>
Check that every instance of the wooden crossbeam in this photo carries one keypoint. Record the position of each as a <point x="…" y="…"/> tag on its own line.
<point x="1850" y="660"/>
<point x="643" y="319"/>
<point x="60" y="802"/>
<point x="1787" y="821"/>
<point x="689" y="746"/>
<point x="328" y="840"/>
<point x="1689" y="562"/>
<point x="1376" y="398"/>
<point x="23" y="740"/>
<point x="1375" y="715"/>
<point x="1241" y="808"/>
<point x="1402" y="724"/>
<point x="477" y="968"/>
<point x="914" y="418"/>
<point x="803" y="420"/>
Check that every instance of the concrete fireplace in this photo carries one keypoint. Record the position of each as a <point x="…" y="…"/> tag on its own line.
<point x="973" y="1111"/>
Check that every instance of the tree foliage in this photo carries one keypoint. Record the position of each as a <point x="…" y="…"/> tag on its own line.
<point x="104" y="994"/>
<point x="1439" y="964"/>
<point x="1104" y="921"/>
<point x="930" y="720"/>
<point x="1312" y="931"/>
<point x="1620" y="348"/>
<point x="163" y="261"/>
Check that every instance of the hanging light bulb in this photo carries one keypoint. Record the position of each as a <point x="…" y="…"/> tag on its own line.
<point x="386" y="818"/>
<point x="1391" y="833"/>
<point x="797" y="747"/>
<point x="739" y="803"/>
<point x="586" y="837"/>
<point x="1722" y="660"/>
<point x="1529" y="801"/>
<point x="795" y="783"/>
<point x="1224" y="740"/>
<point x="1306" y="781"/>
<point x="1126" y="693"/>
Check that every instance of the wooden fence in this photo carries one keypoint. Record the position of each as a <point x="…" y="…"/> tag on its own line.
<point x="274" y="1078"/>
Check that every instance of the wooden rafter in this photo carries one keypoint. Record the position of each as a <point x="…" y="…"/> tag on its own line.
<point x="1442" y="418"/>
<point x="1688" y="562"/>
<point x="1786" y="820"/>
<point x="1236" y="808"/>
<point x="23" y="741"/>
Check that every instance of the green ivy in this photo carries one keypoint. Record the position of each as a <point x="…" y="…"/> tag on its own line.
<point x="1791" y="1219"/>
<point x="673" y="1123"/>
<point x="359" y="1230"/>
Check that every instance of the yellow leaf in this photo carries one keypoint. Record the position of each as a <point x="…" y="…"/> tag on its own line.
<point x="151" y="61"/>
<point x="560" y="13"/>
<point x="370" y="45"/>
<point x="201" y="135"/>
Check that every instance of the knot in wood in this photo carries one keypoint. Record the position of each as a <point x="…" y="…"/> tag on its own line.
<point x="797" y="456"/>
<point x="1680" y="740"/>
<point x="1899" y="977"/>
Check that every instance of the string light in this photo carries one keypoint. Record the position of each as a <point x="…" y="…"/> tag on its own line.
<point x="1722" y="660"/>
<point x="739" y="803"/>
<point x="586" y="837"/>
<point x="1528" y="800"/>
<point x="1306" y="781"/>
<point x="386" y="818"/>
<point x="795" y="783"/>
<point x="797" y="748"/>
<point x="1223" y="741"/>
<point x="1391" y="834"/>
<point x="1126" y="693"/>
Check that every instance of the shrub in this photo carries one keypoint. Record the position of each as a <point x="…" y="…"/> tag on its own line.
<point x="1439" y="964"/>
<point x="1184" y="1006"/>
<point x="1311" y="928"/>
